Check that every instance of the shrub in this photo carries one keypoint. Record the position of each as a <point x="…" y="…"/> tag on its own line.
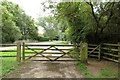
<point x="43" y="38"/>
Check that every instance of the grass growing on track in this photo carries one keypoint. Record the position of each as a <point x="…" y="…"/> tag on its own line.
<point x="83" y="68"/>
<point x="108" y="72"/>
<point x="105" y="72"/>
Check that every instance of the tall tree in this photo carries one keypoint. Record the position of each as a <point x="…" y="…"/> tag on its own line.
<point x="90" y="21"/>
<point x="50" y="25"/>
<point x="22" y="22"/>
<point x="10" y="32"/>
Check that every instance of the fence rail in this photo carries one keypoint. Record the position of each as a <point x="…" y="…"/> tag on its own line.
<point x="103" y="51"/>
<point x="106" y="51"/>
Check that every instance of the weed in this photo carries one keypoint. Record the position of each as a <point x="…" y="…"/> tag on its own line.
<point x="83" y="68"/>
<point x="108" y="72"/>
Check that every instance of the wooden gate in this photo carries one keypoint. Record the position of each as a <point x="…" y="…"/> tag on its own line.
<point x="37" y="52"/>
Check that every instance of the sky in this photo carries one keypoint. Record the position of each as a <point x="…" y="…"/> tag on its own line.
<point x="32" y="8"/>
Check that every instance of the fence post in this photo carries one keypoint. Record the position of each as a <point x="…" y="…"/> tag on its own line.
<point x="119" y="59"/>
<point x="23" y="51"/>
<point x="119" y="52"/>
<point x="99" y="55"/>
<point x="84" y="52"/>
<point x="19" y="52"/>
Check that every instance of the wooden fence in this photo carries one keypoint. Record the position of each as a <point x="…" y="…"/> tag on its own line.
<point x="102" y="51"/>
<point x="105" y="51"/>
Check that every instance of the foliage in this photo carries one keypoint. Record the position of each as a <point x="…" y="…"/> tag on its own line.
<point x="8" y="64"/>
<point x="50" y="25"/>
<point x="15" y="23"/>
<point x="43" y="38"/>
<point x="83" y="68"/>
<point x="108" y="72"/>
<point x="75" y="54"/>
<point x="10" y="32"/>
<point x="90" y="21"/>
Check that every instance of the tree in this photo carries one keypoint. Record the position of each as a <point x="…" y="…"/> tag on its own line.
<point x="50" y="25"/>
<point x="10" y="32"/>
<point x="14" y="16"/>
<point x="90" y="21"/>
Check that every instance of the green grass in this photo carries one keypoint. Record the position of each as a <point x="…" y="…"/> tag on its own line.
<point x="83" y="69"/>
<point x="14" y="53"/>
<point x="74" y="54"/>
<point x="108" y="72"/>
<point x="7" y="53"/>
<point x="8" y="64"/>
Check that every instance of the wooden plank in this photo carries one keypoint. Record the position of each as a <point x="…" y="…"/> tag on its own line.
<point x="99" y="55"/>
<point x="111" y="44"/>
<point x="95" y="45"/>
<point x="8" y="56"/>
<point x="50" y="56"/>
<point x="48" y="45"/>
<point x="23" y="51"/>
<point x="92" y="48"/>
<point x="45" y="53"/>
<point x="110" y="59"/>
<point x="6" y="45"/>
<point x="119" y="51"/>
<point x="66" y="60"/>
<point x="93" y="52"/>
<point x="109" y="49"/>
<point x="19" y="52"/>
<point x="8" y="50"/>
<point x="110" y="54"/>
<point x="52" y="53"/>
<point x="39" y="53"/>
<point x="64" y="53"/>
<point x="46" y="48"/>
<point x="36" y="48"/>
<point x="93" y="56"/>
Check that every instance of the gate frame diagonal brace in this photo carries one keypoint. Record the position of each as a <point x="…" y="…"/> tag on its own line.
<point x="39" y="53"/>
<point x="64" y="53"/>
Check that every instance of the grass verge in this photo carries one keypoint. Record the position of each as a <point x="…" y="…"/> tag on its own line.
<point x="8" y="64"/>
<point x="83" y="69"/>
<point x="108" y="72"/>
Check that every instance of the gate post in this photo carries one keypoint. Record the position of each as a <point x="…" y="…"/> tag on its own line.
<point x="119" y="52"/>
<point x="84" y="52"/>
<point x="118" y="59"/>
<point x="99" y="53"/>
<point x="23" y="51"/>
<point x="19" y="52"/>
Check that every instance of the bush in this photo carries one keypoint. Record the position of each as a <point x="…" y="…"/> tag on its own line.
<point x="43" y="38"/>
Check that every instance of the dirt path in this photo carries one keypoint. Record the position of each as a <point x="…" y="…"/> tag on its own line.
<point x="45" y="69"/>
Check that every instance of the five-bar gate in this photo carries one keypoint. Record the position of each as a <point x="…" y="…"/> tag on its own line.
<point x="37" y="52"/>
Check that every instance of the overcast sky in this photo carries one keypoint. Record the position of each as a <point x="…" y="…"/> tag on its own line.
<point x="32" y="8"/>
